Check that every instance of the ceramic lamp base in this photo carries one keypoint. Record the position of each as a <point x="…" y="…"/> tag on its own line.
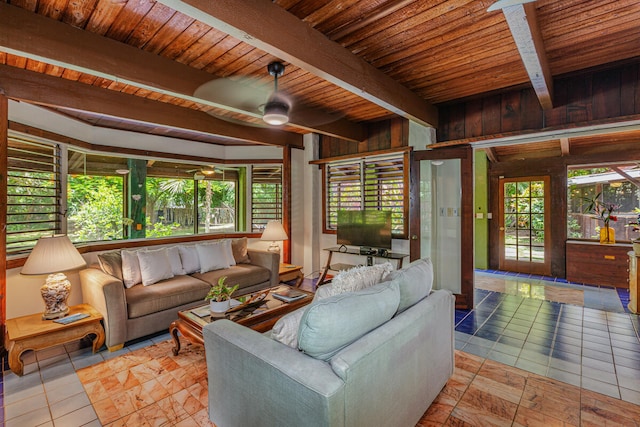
<point x="274" y="247"/>
<point x="55" y="293"/>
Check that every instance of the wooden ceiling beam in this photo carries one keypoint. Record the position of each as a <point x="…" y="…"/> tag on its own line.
<point x="491" y="154"/>
<point x="36" y="37"/>
<point x="523" y="24"/>
<point x="564" y="146"/>
<point x="628" y="177"/>
<point x="268" y="27"/>
<point x="47" y="90"/>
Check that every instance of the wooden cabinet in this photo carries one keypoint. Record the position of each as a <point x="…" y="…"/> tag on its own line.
<point x="597" y="264"/>
<point x="633" y="282"/>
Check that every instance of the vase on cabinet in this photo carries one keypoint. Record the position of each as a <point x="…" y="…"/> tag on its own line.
<point x="607" y="235"/>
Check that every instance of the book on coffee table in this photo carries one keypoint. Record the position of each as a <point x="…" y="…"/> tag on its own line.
<point x="288" y="295"/>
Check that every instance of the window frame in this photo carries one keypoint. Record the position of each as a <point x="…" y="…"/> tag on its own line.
<point x="277" y="212"/>
<point x="26" y="164"/>
<point x="349" y="167"/>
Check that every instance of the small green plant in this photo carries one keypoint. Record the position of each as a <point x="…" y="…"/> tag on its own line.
<point x="220" y="292"/>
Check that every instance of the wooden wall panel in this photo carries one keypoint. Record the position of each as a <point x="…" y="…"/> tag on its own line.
<point x="629" y="79"/>
<point x="557" y="116"/>
<point x="511" y="112"/>
<point x="578" y="99"/>
<point x="606" y="100"/>
<point x="491" y="114"/>
<point x="382" y="135"/>
<point x="473" y="119"/>
<point x="530" y="110"/>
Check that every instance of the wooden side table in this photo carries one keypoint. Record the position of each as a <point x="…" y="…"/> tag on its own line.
<point x="290" y="272"/>
<point x="33" y="333"/>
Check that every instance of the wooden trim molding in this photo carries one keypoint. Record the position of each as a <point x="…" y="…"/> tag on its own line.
<point x="400" y="150"/>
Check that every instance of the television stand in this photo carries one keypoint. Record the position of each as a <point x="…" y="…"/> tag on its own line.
<point x="398" y="257"/>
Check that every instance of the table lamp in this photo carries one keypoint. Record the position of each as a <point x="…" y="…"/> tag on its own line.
<point x="54" y="254"/>
<point x="274" y="231"/>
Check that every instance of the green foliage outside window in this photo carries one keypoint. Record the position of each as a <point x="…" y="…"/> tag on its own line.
<point x="94" y="209"/>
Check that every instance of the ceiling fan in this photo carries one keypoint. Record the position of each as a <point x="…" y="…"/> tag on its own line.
<point x="252" y="97"/>
<point x="205" y="171"/>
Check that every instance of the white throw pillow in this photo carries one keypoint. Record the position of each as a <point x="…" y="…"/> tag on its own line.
<point x="286" y="328"/>
<point x="355" y="279"/>
<point x="131" y="275"/>
<point x="154" y="266"/>
<point x="212" y="256"/>
<point x="189" y="258"/>
<point x="174" y="259"/>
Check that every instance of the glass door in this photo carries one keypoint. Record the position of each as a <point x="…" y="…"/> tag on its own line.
<point x="441" y="218"/>
<point x="524" y="225"/>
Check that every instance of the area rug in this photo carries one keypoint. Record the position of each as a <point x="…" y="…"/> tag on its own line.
<point x="152" y="387"/>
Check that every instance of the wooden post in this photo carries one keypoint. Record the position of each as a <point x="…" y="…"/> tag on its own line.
<point x="4" y="143"/>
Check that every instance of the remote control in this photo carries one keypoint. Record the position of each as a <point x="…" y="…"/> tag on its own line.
<point x="72" y="318"/>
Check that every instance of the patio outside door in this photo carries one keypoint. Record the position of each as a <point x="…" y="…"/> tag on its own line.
<point x="441" y="218"/>
<point x="525" y="240"/>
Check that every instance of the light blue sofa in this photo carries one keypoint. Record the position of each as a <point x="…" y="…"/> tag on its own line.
<point x="388" y="376"/>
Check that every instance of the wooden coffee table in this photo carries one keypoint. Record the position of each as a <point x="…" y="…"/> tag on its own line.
<point x="261" y="319"/>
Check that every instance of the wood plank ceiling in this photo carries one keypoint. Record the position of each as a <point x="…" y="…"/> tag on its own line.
<point x="136" y="64"/>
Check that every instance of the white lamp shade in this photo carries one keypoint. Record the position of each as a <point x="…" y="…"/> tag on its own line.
<point x="53" y="254"/>
<point x="274" y="231"/>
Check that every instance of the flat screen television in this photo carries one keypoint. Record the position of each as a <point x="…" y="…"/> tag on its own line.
<point x="365" y="228"/>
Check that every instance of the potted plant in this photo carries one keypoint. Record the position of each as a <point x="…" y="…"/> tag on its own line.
<point x="220" y="296"/>
<point x="603" y="211"/>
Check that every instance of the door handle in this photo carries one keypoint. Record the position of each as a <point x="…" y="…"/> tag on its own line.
<point x="414" y="237"/>
<point x="501" y="228"/>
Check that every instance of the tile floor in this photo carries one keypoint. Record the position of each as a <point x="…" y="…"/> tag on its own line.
<point x="594" y="346"/>
<point x="580" y="345"/>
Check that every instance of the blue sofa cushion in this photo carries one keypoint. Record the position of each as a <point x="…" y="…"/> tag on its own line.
<point x="415" y="282"/>
<point x="332" y="323"/>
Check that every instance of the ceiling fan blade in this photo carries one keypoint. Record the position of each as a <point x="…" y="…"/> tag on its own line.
<point x="243" y="95"/>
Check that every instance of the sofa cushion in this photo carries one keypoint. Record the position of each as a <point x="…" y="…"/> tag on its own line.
<point x="239" y="249"/>
<point x="174" y="259"/>
<point x="228" y="251"/>
<point x="164" y="295"/>
<point x="212" y="256"/>
<point x="131" y="275"/>
<point x="242" y="274"/>
<point x="415" y="282"/>
<point x="111" y="263"/>
<point x="333" y="323"/>
<point x="154" y="266"/>
<point x="354" y="279"/>
<point x="189" y="258"/>
<point x="286" y="328"/>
